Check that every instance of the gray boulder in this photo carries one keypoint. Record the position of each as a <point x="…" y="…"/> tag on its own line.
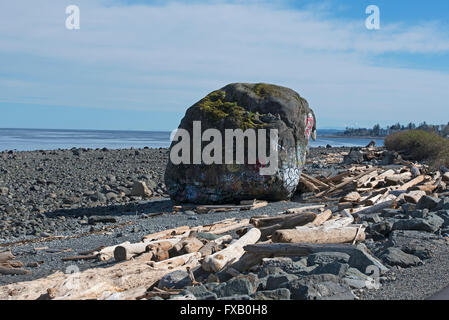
<point x="327" y="257"/>
<point x="363" y="260"/>
<point x="278" y="294"/>
<point x="444" y="214"/>
<point x="443" y="204"/>
<point x="335" y="268"/>
<point x="277" y="281"/>
<point x="239" y="297"/>
<point x="235" y="286"/>
<point x="175" y="280"/>
<point x="427" y="202"/>
<point x="244" y="106"/>
<point x="431" y="223"/>
<point x="358" y="280"/>
<point x="320" y="287"/>
<point x="200" y="292"/>
<point x="396" y="257"/>
<point x="354" y="156"/>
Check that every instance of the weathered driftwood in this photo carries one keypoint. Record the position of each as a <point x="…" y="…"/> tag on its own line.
<point x="167" y="233"/>
<point x="315" y="181"/>
<point x="214" y="226"/>
<point x="386" y="173"/>
<point x="371" y="201"/>
<point x="231" y="227"/>
<point x="160" y="251"/>
<point x="268" y="221"/>
<point x="412" y="183"/>
<point x="12" y="264"/>
<point x="351" y="197"/>
<point x="414" y="196"/>
<point x="323" y="235"/>
<point x="6" y="256"/>
<point x="378" y="207"/>
<point x="189" y="258"/>
<point x="128" y="251"/>
<point x="12" y="271"/>
<point x="247" y="261"/>
<point x="343" y="184"/>
<point x="108" y="252"/>
<point x="81" y="257"/>
<point x="291" y="222"/>
<point x="96" y="283"/>
<point x="309" y="186"/>
<point x="366" y="178"/>
<point x="304" y="209"/>
<point x="233" y="252"/>
<point x="251" y="205"/>
<point x="212" y="246"/>
<point x="322" y="217"/>
<point x="187" y="245"/>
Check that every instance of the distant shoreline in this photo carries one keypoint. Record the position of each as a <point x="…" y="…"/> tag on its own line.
<point x="351" y="137"/>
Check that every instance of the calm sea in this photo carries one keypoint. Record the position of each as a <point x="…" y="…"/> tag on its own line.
<point x="46" y="139"/>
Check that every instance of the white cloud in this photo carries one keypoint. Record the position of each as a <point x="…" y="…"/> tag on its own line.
<point x="167" y="57"/>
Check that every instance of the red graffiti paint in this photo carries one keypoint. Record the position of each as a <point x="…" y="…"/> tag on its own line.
<point x="309" y="125"/>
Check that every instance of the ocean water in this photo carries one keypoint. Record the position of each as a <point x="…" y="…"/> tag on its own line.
<point x="47" y="139"/>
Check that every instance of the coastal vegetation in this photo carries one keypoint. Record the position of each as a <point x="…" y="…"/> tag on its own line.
<point x="420" y="145"/>
<point x="377" y="131"/>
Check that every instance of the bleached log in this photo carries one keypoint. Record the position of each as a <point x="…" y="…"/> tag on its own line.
<point x="322" y="217"/>
<point x="291" y="222"/>
<point x="267" y="221"/>
<point x="233" y="252"/>
<point x="6" y="256"/>
<point x="351" y="197"/>
<point x="412" y="183"/>
<point x="209" y="248"/>
<point x="12" y="271"/>
<point x="311" y="235"/>
<point x="128" y="251"/>
<point x="214" y="226"/>
<point x="371" y="201"/>
<point x="81" y="257"/>
<point x="247" y="261"/>
<point x="231" y="227"/>
<point x="108" y="252"/>
<point x="95" y="283"/>
<point x="315" y="181"/>
<point x="378" y="207"/>
<point x="309" y="185"/>
<point x="167" y="233"/>
<point x="366" y="178"/>
<point x="385" y="174"/>
<point x="304" y="209"/>
<point x="175" y="262"/>
<point x="343" y="184"/>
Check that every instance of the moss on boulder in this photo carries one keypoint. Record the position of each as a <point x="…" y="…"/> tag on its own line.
<point x="245" y="106"/>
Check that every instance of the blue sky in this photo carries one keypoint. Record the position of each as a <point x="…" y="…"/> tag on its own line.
<point x="138" y="65"/>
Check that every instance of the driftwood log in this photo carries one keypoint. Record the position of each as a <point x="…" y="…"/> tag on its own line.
<point x="311" y="235"/>
<point x="217" y="261"/>
<point x="123" y="280"/>
<point x="128" y="251"/>
<point x="6" y="256"/>
<point x="291" y="222"/>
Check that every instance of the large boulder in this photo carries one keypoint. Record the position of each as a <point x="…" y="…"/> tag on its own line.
<point x="241" y="106"/>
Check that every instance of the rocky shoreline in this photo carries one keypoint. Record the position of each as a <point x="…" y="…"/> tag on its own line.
<point x="47" y="192"/>
<point x="42" y="229"/>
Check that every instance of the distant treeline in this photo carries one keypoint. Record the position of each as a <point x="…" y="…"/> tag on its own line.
<point x="377" y="131"/>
